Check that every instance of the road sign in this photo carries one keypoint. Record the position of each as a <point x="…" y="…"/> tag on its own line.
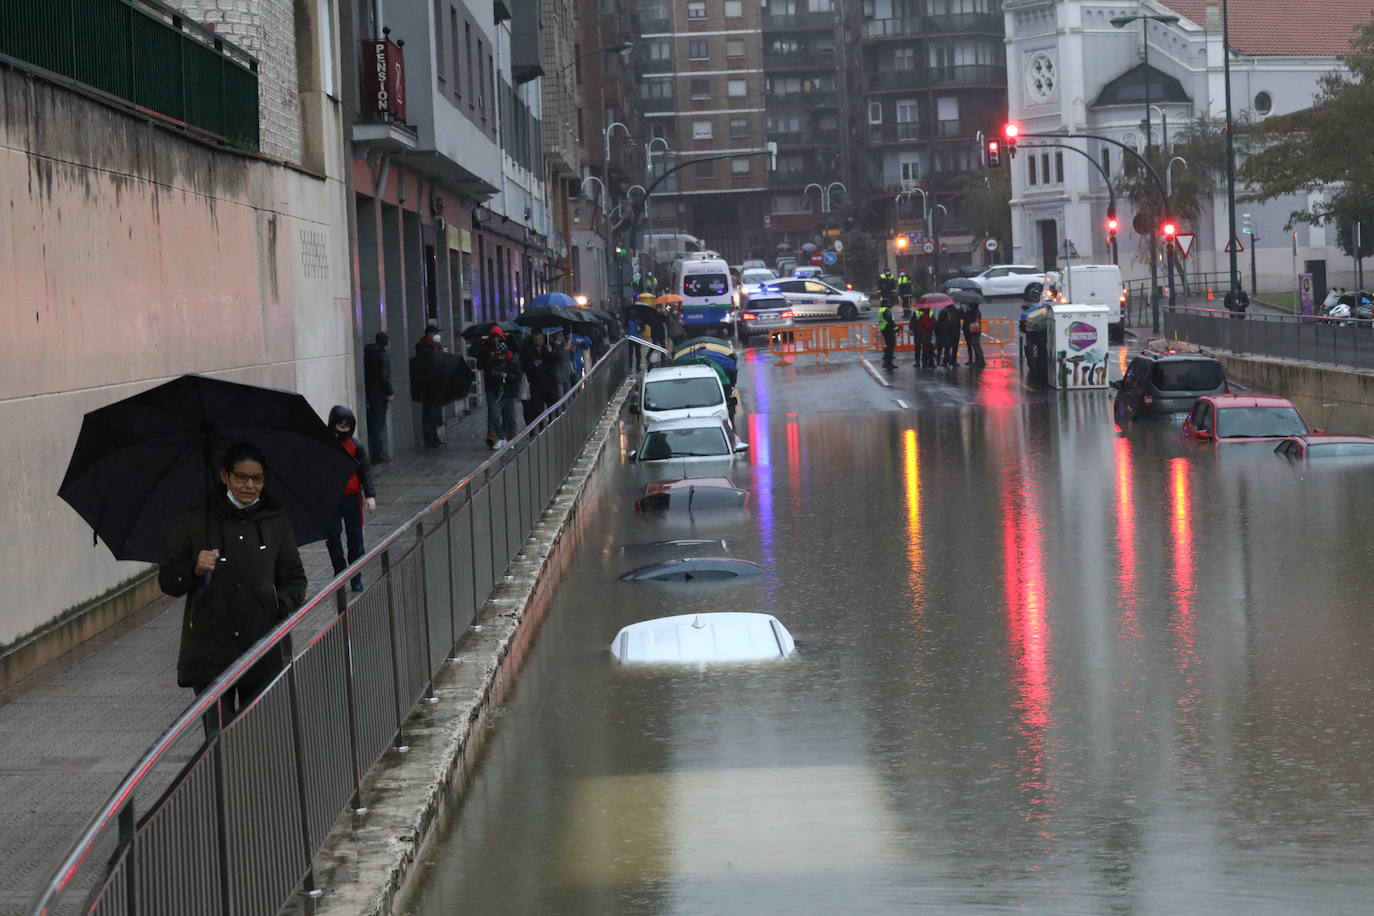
<point x="928" y="247"/>
<point x="829" y="257"/>
<point x="816" y="257"/>
<point x="990" y="244"/>
<point x="1185" y="242"/>
<point x="1234" y="245"/>
<point x="944" y="248"/>
<point x="919" y="236"/>
<point x="838" y="245"/>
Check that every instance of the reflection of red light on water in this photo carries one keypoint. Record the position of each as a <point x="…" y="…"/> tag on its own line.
<point x="1183" y="622"/>
<point x="1125" y="539"/>
<point x="911" y="460"/>
<point x="1028" y="633"/>
<point x="998" y="387"/>
<point x="794" y="463"/>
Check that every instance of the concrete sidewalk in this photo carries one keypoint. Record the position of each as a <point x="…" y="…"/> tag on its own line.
<point x="67" y="742"/>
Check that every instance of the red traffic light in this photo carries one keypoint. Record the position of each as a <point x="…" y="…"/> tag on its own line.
<point x="1169" y="229"/>
<point x="1112" y="223"/>
<point x="994" y="153"/>
<point x="1011" y="131"/>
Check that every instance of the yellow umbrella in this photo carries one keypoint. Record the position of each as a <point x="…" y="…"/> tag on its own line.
<point x="646" y="298"/>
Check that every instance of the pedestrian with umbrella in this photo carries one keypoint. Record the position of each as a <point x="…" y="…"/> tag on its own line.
<point x="181" y="474"/>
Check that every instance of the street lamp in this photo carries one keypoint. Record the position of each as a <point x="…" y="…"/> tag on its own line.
<point x="1145" y="19"/>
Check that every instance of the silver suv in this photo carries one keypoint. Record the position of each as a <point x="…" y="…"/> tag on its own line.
<point x="1164" y="383"/>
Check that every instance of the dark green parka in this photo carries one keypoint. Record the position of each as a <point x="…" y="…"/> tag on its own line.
<point x="257" y="583"/>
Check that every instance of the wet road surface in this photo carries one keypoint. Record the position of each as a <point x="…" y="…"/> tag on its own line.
<point x="1043" y="666"/>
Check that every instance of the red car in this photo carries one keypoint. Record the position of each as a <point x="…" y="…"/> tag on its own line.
<point x="1244" y="418"/>
<point x="1314" y="448"/>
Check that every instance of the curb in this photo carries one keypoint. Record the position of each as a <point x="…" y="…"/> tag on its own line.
<point x="366" y="864"/>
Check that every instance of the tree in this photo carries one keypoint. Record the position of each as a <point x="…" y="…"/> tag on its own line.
<point x="1201" y="143"/>
<point x="1323" y="148"/>
<point x="985" y="202"/>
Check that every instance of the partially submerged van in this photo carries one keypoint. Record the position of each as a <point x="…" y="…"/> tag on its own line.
<point x="675" y="392"/>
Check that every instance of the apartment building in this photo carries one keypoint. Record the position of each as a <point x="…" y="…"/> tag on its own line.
<point x="450" y="214"/>
<point x="703" y="94"/>
<point x="934" y="75"/>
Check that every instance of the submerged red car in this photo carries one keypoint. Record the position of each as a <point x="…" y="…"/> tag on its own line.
<point x="1244" y="418"/>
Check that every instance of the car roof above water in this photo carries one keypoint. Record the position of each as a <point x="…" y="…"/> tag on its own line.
<point x="669" y="373"/>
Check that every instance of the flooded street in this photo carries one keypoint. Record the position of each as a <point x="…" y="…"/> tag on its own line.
<point x="1042" y="666"/>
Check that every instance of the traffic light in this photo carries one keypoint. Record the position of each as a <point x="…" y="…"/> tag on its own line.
<point x="1112" y="225"/>
<point x="994" y="153"/>
<point x="1170" y="231"/>
<point x="901" y="242"/>
<point x="622" y="252"/>
<point x="1010" y="133"/>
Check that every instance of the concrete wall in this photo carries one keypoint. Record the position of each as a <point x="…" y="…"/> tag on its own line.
<point x="131" y="255"/>
<point x="1337" y="400"/>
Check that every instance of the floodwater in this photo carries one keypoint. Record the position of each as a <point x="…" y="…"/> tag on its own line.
<point x="1043" y="666"/>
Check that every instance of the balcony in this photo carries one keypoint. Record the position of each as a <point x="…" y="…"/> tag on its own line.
<point x="897" y="79"/>
<point x="655" y="106"/>
<point x="935" y="26"/>
<point x="777" y="21"/>
<point x="895" y="133"/>
<point x="655" y="26"/>
<point x="919" y="78"/>
<point x="823" y="98"/>
<point x="661" y="65"/>
<point x="823" y="59"/>
<point x="145" y="54"/>
<point x="807" y="138"/>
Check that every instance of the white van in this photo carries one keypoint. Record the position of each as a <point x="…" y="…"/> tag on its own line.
<point x="678" y="392"/>
<point x="1095" y="284"/>
<point x="708" y="295"/>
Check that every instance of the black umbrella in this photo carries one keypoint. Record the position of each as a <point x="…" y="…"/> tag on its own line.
<point x="966" y="297"/>
<point x="474" y="332"/>
<point x="141" y="462"/>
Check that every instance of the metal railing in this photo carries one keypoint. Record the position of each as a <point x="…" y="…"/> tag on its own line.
<point x="1192" y="289"/>
<point x="226" y="820"/>
<point x="1340" y="343"/>
<point x="143" y="52"/>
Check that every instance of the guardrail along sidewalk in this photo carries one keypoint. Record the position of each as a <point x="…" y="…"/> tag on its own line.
<point x="229" y="825"/>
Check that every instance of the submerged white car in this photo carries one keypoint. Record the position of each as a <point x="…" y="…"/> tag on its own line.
<point x="675" y="392"/>
<point x="688" y="438"/>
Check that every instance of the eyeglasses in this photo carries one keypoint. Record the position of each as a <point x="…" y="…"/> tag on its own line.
<point x="244" y="480"/>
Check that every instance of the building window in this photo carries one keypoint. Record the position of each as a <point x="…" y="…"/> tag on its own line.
<point x="481" y="79"/>
<point x="659" y="49"/>
<point x="440" y="51"/>
<point x="911" y="170"/>
<point x="1107" y="161"/>
<point x="1030" y="168"/>
<point x="467" y="48"/>
<point x="1045" y="167"/>
<point x="734" y="47"/>
<point x="696" y="9"/>
<point x="739" y="166"/>
<point x="701" y="89"/>
<point x="739" y="128"/>
<point x="658" y="131"/>
<point x="453" y="43"/>
<point x="906" y="111"/>
<point x="1059" y="167"/>
<point x="734" y="9"/>
<point x="656" y="89"/>
<point x="701" y="130"/>
<point x="820" y="6"/>
<point x="698" y="49"/>
<point x="904" y="59"/>
<point x="875" y="112"/>
<point x="737" y="89"/>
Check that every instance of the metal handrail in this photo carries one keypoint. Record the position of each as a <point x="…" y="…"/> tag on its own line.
<point x="114" y="807"/>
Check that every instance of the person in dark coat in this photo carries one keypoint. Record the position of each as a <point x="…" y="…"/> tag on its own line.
<point x="378" y="393"/>
<point x="973" y="334"/>
<point x="543" y="365"/>
<point x="358" y="489"/>
<point x="235" y="559"/>
<point x="421" y="377"/>
<point x="947" y="337"/>
<point x="501" y="373"/>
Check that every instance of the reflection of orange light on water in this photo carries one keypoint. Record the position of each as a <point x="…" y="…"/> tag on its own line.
<point x="911" y="457"/>
<point x="794" y="464"/>
<point x="1125" y="539"/>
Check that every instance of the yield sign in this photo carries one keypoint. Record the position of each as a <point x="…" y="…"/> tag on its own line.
<point x="1184" y="240"/>
<point x="1233" y="245"/>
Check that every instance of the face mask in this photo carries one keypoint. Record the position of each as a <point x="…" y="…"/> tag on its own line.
<point x="343" y="433"/>
<point x="435" y="338"/>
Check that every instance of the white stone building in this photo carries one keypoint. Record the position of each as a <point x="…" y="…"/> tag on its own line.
<point x="1070" y="69"/>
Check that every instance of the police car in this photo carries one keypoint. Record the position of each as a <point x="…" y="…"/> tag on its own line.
<point x="812" y="299"/>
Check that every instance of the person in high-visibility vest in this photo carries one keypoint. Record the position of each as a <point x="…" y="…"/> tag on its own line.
<point x="887" y="286"/>
<point x="904" y="293"/>
<point x="888" y="328"/>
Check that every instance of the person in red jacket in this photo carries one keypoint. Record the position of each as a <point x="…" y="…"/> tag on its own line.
<point x="358" y="488"/>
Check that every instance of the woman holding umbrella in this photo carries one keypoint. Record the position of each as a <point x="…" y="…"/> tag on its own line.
<point x="235" y="558"/>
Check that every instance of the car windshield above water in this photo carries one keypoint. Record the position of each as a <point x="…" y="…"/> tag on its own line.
<point x="689" y="442"/>
<point x="682" y="393"/>
<point x="1256" y="422"/>
<point x="1188" y="375"/>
